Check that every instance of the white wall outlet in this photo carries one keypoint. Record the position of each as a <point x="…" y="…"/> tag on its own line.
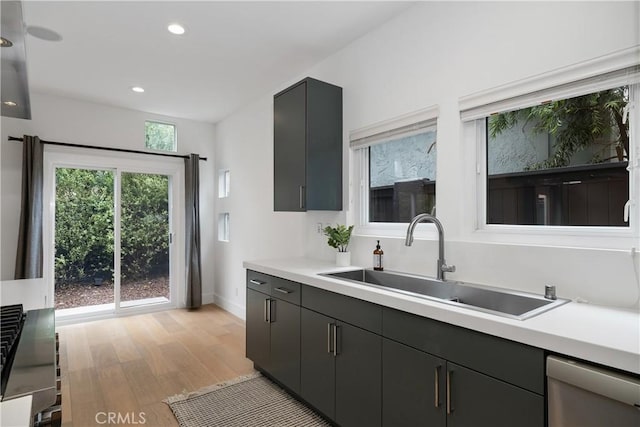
<point x="319" y="228"/>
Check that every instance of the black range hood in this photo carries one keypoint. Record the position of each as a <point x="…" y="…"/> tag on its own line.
<point x="14" y="89"/>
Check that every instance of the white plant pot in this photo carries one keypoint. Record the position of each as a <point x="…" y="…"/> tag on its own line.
<point x="343" y="259"/>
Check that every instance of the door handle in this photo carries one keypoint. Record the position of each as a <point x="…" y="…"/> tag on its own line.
<point x="283" y="290"/>
<point x="257" y="282"/>
<point x="449" y="405"/>
<point x="335" y="340"/>
<point x="436" y="384"/>
<point x="328" y="337"/>
<point x="266" y="311"/>
<point x="269" y="310"/>
<point x="301" y="193"/>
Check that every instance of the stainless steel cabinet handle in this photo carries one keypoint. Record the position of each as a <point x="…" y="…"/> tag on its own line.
<point x="266" y="318"/>
<point x="449" y="406"/>
<point x="328" y="337"/>
<point x="335" y="340"/>
<point x="301" y="191"/>
<point x="257" y="282"/>
<point x="283" y="290"/>
<point x="436" y="390"/>
<point x="269" y="301"/>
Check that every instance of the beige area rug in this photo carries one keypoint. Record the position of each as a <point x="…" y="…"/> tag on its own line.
<point x="247" y="401"/>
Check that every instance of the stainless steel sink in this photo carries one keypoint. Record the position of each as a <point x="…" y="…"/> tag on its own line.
<point x="501" y="302"/>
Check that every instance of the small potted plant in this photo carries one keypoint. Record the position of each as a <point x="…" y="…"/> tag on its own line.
<point x="339" y="237"/>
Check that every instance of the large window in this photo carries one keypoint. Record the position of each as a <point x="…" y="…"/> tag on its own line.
<point x="160" y="136"/>
<point x="556" y="154"/>
<point x="397" y="169"/>
<point x="563" y="162"/>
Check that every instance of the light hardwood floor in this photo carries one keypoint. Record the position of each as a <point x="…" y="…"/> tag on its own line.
<point x="129" y="365"/>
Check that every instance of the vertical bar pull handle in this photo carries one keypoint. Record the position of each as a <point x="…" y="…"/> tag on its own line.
<point x="269" y="311"/>
<point x="301" y="191"/>
<point x="335" y="340"/>
<point x="449" y="406"/>
<point x="328" y="337"/>
<point x="436" y="385"/>
<point x="266" y="318"/>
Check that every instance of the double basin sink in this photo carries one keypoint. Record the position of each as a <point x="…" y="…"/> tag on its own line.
<point x="501" y="302"/>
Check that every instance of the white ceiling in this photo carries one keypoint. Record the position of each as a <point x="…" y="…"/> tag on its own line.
<point x="232" y="52"/>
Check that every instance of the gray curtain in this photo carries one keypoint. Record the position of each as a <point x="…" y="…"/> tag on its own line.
<point x="29" y="253"/>
<point x="192" y="231"/>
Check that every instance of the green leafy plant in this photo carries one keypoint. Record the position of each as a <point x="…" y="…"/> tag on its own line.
<point x="339" y="236"/>
<point x="576" y="124"/>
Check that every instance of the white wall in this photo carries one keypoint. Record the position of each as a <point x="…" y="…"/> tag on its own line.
<point x="433" y="54"/>
<point x="61" y="119"/>
<point x="256" y="231"/>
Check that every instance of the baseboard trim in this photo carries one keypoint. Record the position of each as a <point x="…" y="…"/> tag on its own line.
<point x="231" y="307"/>
<point x="208" y="298"/>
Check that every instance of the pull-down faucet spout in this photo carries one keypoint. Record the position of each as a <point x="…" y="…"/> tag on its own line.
<point x="442" y="264"/>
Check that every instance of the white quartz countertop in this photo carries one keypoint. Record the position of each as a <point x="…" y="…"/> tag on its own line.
<point x="16" y="412"/>
<point x="605" y="335"/>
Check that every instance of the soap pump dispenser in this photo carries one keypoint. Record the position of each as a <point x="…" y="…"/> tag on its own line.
<point x="377" y="258"/>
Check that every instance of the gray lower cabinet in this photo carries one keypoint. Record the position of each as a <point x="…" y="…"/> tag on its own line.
<point x="273" y="337"/>
<point x="421" y="389"/>
<point x="414" y="387"/>
<point x="478" y="400"/>
<point x="341" y="370"/>
<point x="258" y="330"/>
<point x="362" y="364"/>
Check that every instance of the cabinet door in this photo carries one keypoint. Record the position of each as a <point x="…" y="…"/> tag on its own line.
<point x="258" y="329"/>
<point x="285" y="343"/>
<point x="414" y="387"/>
<point x="477" y="400"/>
<point x="358" y="377"/>
<point x="317" y="366"/>
<point x="289" y="146"/>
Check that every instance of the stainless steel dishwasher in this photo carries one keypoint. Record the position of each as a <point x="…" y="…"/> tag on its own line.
<point x="583" y="395"/>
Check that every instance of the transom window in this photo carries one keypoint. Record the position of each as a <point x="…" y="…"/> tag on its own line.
<point x="160" y="136"/>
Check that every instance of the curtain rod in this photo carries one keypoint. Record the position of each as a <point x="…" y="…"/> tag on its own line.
<point x="121" y="150"/>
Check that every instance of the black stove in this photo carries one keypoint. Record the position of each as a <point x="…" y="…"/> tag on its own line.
<point x="11" y="321"/>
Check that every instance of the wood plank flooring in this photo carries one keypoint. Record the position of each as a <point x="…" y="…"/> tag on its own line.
<point x="129" y="365"/>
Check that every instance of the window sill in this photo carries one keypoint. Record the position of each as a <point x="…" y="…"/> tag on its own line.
<point x="424" y="231"/>
<point x="577" y="237"/>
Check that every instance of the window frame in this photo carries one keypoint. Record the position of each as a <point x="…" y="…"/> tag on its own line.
<point x="375" y="134"/>
<point x="175" y="136"/>
<point x="567" y="81"/>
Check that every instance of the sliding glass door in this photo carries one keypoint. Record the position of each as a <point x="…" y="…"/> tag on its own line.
<point x="113" y="241"/>
<point x="144" y="239"/>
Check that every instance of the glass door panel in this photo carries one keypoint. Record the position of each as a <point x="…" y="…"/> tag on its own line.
<point x="84" y="240"/>
<point x="144" y="239"/>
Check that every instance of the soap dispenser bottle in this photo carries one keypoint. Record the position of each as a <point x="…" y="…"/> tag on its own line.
<point x="377" y="258"/>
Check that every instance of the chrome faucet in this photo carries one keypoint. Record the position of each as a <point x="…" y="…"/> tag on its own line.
<point x="442" y="264"/>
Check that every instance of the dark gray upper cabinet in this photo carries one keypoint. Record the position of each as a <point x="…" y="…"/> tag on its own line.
<point x="307" y="140"/>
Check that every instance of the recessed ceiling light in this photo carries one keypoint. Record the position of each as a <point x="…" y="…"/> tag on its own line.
<point x="10" y="103"/>
<point x="137" y="89"/>
<point x="176" y="29"/>
<point x="5" y="42"/>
